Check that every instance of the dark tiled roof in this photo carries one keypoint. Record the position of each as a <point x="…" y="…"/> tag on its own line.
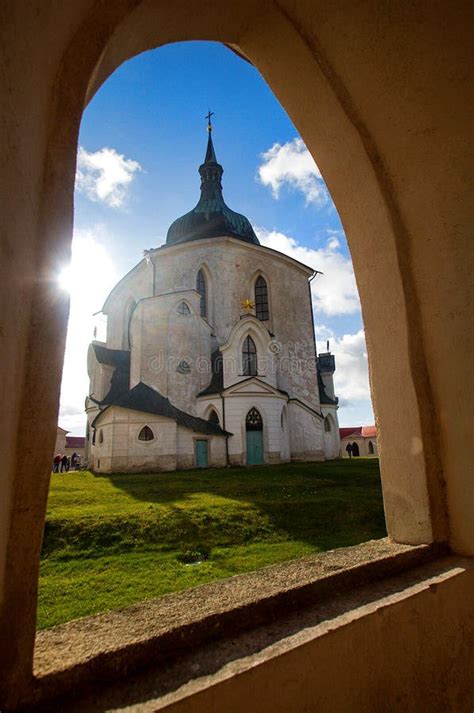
<point x="112" y="357"/>
<point x="216" y="384"/>
<point x="211" y="217"/>
<point x="323" y="397"/>
<point x="144" y="398"/>
<point x="120" y="381"/>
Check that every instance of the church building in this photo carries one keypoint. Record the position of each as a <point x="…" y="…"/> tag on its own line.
<point x="210" y="357"/>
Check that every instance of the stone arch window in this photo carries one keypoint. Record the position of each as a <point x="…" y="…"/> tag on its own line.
<point x="261" y="299"/>
<point x="213" y="417"/>
<point x="101" y="436"/>
<point x="249" y="357"/>
<point x="327" y="424"/>
<point x="183" y="309"/>
<point x="202" y="289"/>
<point x="371" y="448"/>
<point x="253" y="421"/>
<point x="183" y="367"/>
<point x="146" y="434"/>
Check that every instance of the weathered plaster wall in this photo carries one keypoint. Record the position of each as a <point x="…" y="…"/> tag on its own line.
<point x="381" y="102"/>
<point x="161" y="339"/>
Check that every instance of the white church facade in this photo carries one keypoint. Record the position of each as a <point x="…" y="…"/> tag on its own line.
<point x="210" y="357"/>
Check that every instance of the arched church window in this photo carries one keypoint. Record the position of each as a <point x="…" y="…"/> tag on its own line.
<point x="371" y="448"/>
<point x="101" y="436"/>
<point x="327" y="424"/>
<point x="146" y="434"/>
<point x="261" y="299"/>
<point x="249" y="357"/>
<point x="183" y="308"/>
<point x="201" y="288"/>
<point x="213" y="417"/>
<point x="183" y="367"/>
<point x="253" y="422"/>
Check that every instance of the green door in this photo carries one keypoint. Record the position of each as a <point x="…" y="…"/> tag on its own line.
<point x="201" y="454"/>
<point x="254" y="447"/>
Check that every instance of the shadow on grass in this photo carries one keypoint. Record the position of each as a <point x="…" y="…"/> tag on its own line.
<point x="327" y="505"/>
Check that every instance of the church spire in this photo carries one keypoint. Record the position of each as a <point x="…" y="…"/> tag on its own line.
<point x="210" y="153"/>
<point x="211" y="171"/>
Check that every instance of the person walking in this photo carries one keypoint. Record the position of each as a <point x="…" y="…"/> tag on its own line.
<point x="56" y="462"/>
<point x="349" y="450"/>
<point x="64" y="464"/>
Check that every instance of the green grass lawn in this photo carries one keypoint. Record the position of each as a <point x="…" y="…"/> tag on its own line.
<point x="111" y="540"/>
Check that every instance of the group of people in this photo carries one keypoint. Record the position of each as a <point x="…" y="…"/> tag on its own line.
<point x="62" y="463"/>
<point x="352" y="450"/>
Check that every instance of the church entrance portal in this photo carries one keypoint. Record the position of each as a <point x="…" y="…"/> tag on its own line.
<point x="254" y="435"/>
<point x="201" y="453"/>
<point x="355" y="449"/>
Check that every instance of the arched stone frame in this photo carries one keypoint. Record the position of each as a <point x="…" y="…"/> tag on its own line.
<point x="188" y="305"/>
<point x="100" y="439"/>
<point x="209" y="409"/>
<point x="138" y="431"/>
<point x="393" y="254"/>
<point x="328" y="424"/>
<point x="262" y="273"/>
<point x="204" y="269"/>
<point x="231" y="351"/>
<point x="263" y="414"/>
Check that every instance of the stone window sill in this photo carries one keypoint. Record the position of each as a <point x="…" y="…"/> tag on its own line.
<point x="90" y="651"/>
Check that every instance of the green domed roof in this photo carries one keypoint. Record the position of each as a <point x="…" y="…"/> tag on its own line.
<point x="211" y="218"/>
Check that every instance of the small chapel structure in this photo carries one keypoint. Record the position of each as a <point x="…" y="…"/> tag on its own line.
<point x="210" y="356"/>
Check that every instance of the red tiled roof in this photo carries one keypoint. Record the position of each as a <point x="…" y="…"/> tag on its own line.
<point x="364" y="431"/>
<point x="75" y="442"/>
<point x="350" y="431"/>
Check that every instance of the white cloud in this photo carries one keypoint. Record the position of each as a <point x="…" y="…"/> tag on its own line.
<point x="105" y="176"/>
<point x="89" y="279"/>
<point x="291" y="164"/>
<point x="334" y="292"/>
<point x="351" y="378"/>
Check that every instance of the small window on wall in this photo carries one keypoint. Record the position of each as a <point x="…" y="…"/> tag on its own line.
<point x="261" y="299"/>
<point x="201" y="288"/>
<point x="146" y="434"/>
<point x="101" y="436"/>
<point x="327" y="424"/>
<point x="183" y="368"/>
<point x="249" y="357"/>
<point x="183" y="308"/>
<point x="253" y="421"/>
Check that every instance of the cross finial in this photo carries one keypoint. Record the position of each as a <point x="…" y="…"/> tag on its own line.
<point x="208" y="117"/>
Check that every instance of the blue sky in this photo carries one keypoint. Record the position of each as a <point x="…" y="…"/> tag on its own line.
<point x="142" y="139"/>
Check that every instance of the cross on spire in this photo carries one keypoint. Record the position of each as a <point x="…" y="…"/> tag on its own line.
<point x="208" y="117"/>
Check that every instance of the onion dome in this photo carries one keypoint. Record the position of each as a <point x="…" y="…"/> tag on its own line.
<point x="211" y="218"/>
